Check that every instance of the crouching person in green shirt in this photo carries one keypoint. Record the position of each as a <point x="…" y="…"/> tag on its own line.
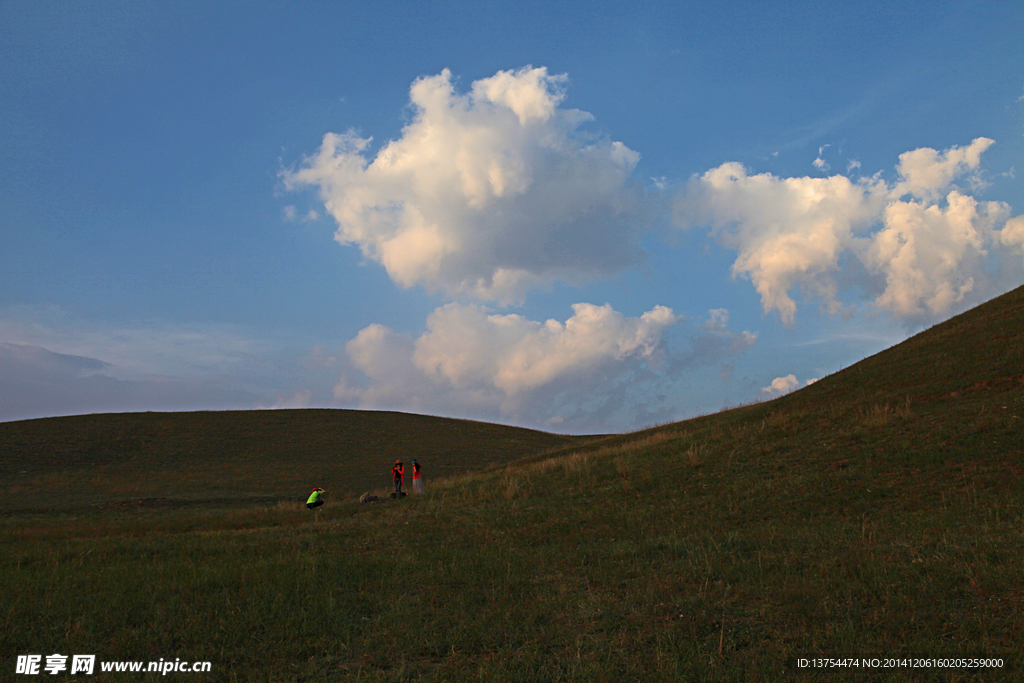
<point x="315" y="499"/>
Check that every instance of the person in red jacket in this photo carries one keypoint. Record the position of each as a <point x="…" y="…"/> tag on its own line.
<point x="398" y="473"/>
<point x="417" y="480"/>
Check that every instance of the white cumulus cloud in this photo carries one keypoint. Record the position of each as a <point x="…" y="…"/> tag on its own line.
<point x="922" y="243"/>
<point x="781" y="385"/>
<point x="1012" y="234"/>
<point x="926" y="173"/>
<point x="787" y="231"/>
<point x="485" y="194"/>
<point x="477" y="353"/>
<point x="784" y="385"/>
<point x="931" y="254"/>
<point x="593" y="371"/>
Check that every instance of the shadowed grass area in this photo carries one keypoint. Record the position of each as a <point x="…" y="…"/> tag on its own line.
<point x="89" y="460"/>
<point x="876" y="513"/>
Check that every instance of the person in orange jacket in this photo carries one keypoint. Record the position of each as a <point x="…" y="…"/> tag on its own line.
<point x="398" y="473"/>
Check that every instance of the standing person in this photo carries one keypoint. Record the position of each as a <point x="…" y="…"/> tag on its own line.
<point x="417" y="480"/>
<point x="398" y="473"/>
<point x="315" y="498"/>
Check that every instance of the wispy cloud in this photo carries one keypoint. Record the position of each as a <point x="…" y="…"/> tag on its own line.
<point x="52" y="363"/>
<point x="291" y="214"/>
<point x="36" y="382"/>
<point x="870" y="99"/>
<point x="820" y="163"/>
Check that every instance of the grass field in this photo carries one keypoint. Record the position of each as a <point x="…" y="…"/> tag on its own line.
<point x="876" y="513"/>
<point x="215" y="458"/>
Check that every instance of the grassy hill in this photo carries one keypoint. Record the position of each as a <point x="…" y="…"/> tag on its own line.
<point x="874" y="514"/>
<point x="204" y="458"/>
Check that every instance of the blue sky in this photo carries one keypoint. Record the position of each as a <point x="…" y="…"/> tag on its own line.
<point x="580" y="217"/>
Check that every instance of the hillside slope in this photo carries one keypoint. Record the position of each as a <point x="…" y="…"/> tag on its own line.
<point x="950" y="385"/>
<point x="92" y="459"/>
<point x="978" y="354"/>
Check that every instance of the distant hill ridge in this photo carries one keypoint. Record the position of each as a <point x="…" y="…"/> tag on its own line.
<point x="248" y="454"/>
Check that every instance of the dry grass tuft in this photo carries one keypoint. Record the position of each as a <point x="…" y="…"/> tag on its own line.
<point x="697" y="453"/>
<point x="881" y="414"/>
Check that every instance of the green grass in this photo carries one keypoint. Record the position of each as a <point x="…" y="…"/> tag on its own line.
<point x="174" y="459"/>
<point x="877" y="512"/>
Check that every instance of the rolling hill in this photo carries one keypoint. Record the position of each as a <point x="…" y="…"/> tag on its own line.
<point x="239" y="456"/>
<point x="873" y="519"/>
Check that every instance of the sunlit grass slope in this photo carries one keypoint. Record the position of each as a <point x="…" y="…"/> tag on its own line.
<point x="223" y="457"/>
<point x="876" y="513"/>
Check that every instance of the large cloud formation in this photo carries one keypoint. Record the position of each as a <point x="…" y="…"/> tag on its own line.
<point x="575" y="374"/>
<point x="922" y="243"/>
<point x="494" y="191"/>
<point x="485" y="194"/>
<point x="787" y="231"/>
